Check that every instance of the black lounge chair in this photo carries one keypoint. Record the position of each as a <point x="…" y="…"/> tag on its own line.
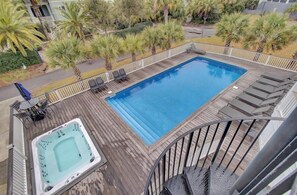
<point x="93" y="86"/>
<point x="263" y="95"/>
<point x="44" y="105"/>
<point x="274" y="83"/>
<point x="278" y="78"/>
<point x="250" y="110"/>
<point x="123" y="74"/>
<point x="116" y="75"/>
<point x="100" y="84"/>
<point x="193" y="48"/>
<point x="269" y="88"/>
<point x="256" y="101"/>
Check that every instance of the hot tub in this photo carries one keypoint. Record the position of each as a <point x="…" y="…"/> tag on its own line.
<point x="62" y="155"/>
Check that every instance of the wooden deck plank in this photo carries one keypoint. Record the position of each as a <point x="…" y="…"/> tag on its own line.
<point x="129" y="159"/>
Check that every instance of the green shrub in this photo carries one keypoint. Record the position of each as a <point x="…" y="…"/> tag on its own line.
<point x="11" y="61"/>
<point x="137" y="28"/>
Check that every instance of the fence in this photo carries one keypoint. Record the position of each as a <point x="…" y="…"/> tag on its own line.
<point x="17" y="175"/>
<point x="264" y="59"/>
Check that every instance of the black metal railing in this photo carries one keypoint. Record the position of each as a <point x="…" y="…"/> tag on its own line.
<point x="205" y="145"/>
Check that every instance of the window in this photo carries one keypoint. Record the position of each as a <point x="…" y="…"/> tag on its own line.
<point x="43" y="10"/>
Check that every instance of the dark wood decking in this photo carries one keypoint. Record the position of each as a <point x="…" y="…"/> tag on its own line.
<point x="128" y="158"/>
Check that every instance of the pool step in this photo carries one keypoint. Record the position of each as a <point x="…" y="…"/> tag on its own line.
<point x="138" y="126"/>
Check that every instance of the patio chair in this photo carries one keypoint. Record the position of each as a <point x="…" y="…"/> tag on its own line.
<point x="116" y="75"/>
<point x="16" y="105"/>
<point x="123" y="74"/>
<point x="23" y="117"/>
<point x="231" y="112"/>
<point x="100" y="84"/>
<point x="46" y="104"/>
<point x="263" y="95"/>
<point x="93" y="86"/>
<point x="248" y="109"/>
<point x="269" y="88"/>
<point x="274" y="83"/>
<point x="256" y="101"/>
<point x="194" y="49"/>
<point x="278" y="78"/>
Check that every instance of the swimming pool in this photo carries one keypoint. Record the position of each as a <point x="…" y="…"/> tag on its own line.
<point x="62" y="155"/>
<point x="158" y="104"/>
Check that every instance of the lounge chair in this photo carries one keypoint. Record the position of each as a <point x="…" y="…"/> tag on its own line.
<point x="116" y="75"/>
<point x="263" y="95"/>
<point x="278" y="78"/>
<point x="93" y="86"/>
<point x="46" y="104"/>
<point x="274" y="83"/>
<point x="195" y="50"/>
<point x="250" y="110"/>
<point x="123" y="74"/>
<point x="269" y="88"/>
<point x="100" y="84"/>
<point x="256" y="101"/>
<point x="231" y="112"/>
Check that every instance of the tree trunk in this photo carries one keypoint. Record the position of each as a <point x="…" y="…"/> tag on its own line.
<point x="166" y="11"/>
<point x="133" y="57"/>
<point x="77" y="73"/>
<point x="36" y="10"/>
<point x="259" y="50"/>
<point x="108" y="64"/>
<point x="154" y="50"/>
<point x="227" y="45"/>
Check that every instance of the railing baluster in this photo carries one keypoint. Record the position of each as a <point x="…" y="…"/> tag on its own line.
<point x="235" y="133"/>
<point x="195" y="148"/>
<point x="246" y="133"/>
<point x="250" y="147"/>
<point x="217" y="127"/>
<point x="168" y="166"/>
<point x="151" y="188"/>
<point x="173" y="165"/>
<point x="202" y="146"/>
<point x="188" y="149"/>
<point x="155" y="182"/>
<point x="159" y="175"/>
<point x="181" y="153"/>
<point x="164" y="168"/>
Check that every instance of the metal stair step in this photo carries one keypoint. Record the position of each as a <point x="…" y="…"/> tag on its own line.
<point x="220" y="180"/>
<point x="176" y="186"/>
<point x="197" y="179"/>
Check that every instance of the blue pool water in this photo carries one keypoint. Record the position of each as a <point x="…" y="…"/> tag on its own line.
<point x="158" y="104"/>
<point x="62" y="152"/>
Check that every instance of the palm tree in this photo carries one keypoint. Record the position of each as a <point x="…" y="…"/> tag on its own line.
<point x="269" y="32"/>
<point x="75" y="20"/>
<point x="170" y="32"/>
<point x="65" y="53"/>
<point x="292" y="9"/>
<point x="203" y="8"/>
<point x="152" y="39"/>
<point x="165" y="5"/>
<point x="231" y="28"/>
<point x="107" y="47"/>
<point x="16" y="31"/>
<point x="133" y="44"/>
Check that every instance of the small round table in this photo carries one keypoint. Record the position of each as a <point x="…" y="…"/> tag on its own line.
<point x="29" y="104"/>
<point x="32" y="107"/>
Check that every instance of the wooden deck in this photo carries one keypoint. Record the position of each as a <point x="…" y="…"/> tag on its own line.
<point x="128" y="158"/>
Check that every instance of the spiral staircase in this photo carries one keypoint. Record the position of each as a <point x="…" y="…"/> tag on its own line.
<point x="223" y="157"/>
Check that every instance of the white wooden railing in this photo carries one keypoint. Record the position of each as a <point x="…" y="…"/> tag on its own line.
<point x="264" y="59"/>
<point x="17" y="172"/>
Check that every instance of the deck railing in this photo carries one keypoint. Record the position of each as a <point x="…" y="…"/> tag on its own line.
<point x="264" y="59"/>
<point x="17" y="174"/>
<point x="229" y="143"/>
<point x="70" y="90"/>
